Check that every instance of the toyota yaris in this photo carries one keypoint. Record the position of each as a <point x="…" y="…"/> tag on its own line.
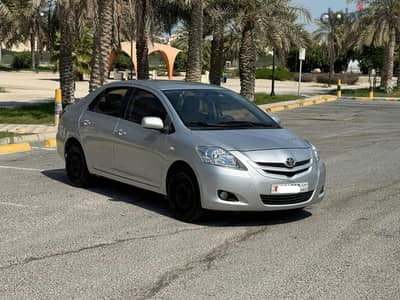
<point x="202" y="146"/>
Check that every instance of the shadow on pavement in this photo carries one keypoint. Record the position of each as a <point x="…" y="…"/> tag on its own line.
<point x="6" y="103"/>
<point x="116" y="191"/>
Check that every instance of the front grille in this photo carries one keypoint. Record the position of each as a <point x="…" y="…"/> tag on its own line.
<point x="282" y="165"/>
<point x="286" y="199"/>
<point x="286" y="173"/>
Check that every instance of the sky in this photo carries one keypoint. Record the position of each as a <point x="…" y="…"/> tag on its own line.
<point x="318" y="7"/>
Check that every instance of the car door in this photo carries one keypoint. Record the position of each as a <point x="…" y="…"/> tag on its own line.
<point x="97" y="126"/>
<point x="140" y="152"/>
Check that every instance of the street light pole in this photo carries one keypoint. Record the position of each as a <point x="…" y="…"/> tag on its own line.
<point x="273" y="73"/>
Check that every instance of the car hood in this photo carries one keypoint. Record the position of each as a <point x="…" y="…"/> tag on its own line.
<point x="250" y="139"/>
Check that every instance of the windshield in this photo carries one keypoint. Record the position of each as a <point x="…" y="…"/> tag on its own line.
<point x="217" y="110"/>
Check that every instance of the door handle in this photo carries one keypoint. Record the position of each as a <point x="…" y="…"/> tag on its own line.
<point x="86" y="123"/>
<point x="121" y="132"/>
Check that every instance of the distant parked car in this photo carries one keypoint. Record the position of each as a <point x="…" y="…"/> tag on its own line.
<point x="202" y="146"/>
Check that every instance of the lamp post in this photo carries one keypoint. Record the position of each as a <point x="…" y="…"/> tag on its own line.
<point x="398" y="68"/>
<point x="36" y="29"/>
<point x="332" y="19"/>
<point x="273" y="73"/>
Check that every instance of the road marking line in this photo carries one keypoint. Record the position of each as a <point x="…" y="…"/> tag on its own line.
<point x="46" y="149"/>
<point x="21" y="169"/>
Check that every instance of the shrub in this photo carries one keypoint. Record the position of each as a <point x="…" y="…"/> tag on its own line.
<point x="22" y="60"/>
<point x="306" y="77"/>
<point x="349" y="79"/>
<point x="280" y="74"/>
<point x="122" y="62"/>
<point x="232" y="73"/>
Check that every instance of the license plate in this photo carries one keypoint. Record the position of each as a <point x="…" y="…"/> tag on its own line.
<point x="289" y="188"/>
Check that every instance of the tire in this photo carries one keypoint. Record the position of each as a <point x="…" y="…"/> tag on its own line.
<point x="75" y="165"/>
<point x="184" y="196"/>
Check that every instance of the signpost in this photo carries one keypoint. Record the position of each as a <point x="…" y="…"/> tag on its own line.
<point x="302" y="56"/>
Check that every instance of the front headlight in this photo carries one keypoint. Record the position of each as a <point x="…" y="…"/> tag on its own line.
<point x="218" y="157"/>
<point x="316" y="152"/>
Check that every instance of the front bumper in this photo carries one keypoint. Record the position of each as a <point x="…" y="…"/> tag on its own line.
<point x="248" y="186"/>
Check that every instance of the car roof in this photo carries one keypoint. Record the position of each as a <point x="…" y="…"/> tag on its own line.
<point x="164" y="85"/>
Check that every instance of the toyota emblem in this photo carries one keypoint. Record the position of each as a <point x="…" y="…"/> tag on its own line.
<point x="290" y="162"/>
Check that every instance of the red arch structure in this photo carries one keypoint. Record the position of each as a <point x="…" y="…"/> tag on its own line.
<point x="167" y="52"/>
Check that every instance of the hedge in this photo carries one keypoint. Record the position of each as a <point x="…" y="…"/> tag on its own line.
<point x="349" y="79"/>
<point x="280" y="74"/>
<point x="22" y="60"/>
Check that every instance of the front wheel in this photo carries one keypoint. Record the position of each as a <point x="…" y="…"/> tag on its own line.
<point x="75" y="165"/>
<point x="184" y="196"/>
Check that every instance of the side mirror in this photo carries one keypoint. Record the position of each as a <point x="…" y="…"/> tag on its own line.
<point x="276" y="118"/>
<point x="152" y="123"/>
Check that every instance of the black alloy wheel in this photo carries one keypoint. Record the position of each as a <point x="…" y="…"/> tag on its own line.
<point x="184" y="196"/>
<point x="76" y="167"/>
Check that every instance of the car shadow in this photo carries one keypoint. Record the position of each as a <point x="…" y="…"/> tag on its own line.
<point x="117" y="191"/>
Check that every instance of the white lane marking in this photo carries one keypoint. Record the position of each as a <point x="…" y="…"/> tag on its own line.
<point x="17" y="205"/>
<point x="46" y="149"/>
<point x="21" y="169"/>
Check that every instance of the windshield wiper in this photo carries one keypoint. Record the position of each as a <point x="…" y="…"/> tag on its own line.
<point x="246" y="124"/>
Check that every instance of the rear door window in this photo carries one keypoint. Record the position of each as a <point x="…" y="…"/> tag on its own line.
<point x="110" y="102"/>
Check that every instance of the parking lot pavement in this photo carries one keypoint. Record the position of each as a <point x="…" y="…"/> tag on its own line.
<point x="115" y="241"/>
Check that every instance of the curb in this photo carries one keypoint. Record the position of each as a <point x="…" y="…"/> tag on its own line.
<point x="372" y="99"/>
<point x="298" y="103"/>
<point x="50" y="143"/>
<point x="13" y="148"/>
<point x="27" y="138"/>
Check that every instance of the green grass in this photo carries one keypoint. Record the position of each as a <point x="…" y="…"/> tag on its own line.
<point x="39" y="69"/>
<point x="42" y="113"/>
<point x="263" y="98"/>
<point x="364" y="92"/>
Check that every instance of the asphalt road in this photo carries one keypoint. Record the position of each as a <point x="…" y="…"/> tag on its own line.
<point x="115" y="241"/>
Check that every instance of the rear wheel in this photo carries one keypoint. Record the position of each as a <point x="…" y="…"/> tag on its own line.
<point x="184" y="196"/>
<point x="75" y="165"/>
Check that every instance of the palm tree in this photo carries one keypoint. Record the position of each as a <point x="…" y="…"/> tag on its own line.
<point x="195" y="43"/>
<point x="272" y="21"/>
<point x="144" y="15"/>
<point x="23" y="19"/>
<point x="190" y="14"/>
<point x="101" y="44"/>
<point x="66" y="61"/>
<point x="381" y="23"/>
<point x="337" y="38"/>
<point x="218" y="14"/>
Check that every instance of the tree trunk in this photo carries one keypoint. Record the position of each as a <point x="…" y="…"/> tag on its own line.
<point x="217" y="59"/>
<point x="195" y="45"/>
<point x="101" y="45"/>
<point x="398" y="71"/>
<point x="66" y="62"/>
<point x="247" y="60"/>
<point x="143" y="16"/>
<point x="388" y="64"/>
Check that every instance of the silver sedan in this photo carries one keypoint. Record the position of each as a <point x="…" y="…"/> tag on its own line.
<point x="202" y="146"/>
